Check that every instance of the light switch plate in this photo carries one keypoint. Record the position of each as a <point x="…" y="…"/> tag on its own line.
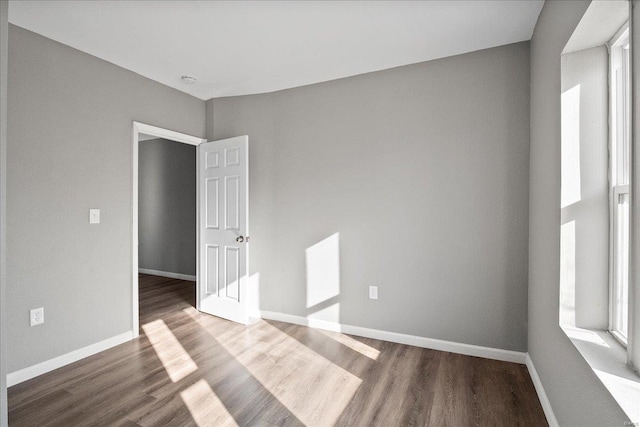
<point x="373" y="292"/>
<point x="94" y="216"/>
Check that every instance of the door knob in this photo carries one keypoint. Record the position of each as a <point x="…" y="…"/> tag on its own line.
<point x="240" y="239"/>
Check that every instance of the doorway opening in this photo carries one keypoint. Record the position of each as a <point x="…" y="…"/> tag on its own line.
<point x="164" y="208"/>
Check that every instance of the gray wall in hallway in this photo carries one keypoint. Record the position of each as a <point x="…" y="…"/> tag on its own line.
<point x="167" y="206"/>
<point x="423" y="172"/>
<point x="70" y="131"/>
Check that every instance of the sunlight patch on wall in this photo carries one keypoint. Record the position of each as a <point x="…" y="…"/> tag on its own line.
<point x="253" y="295"/>
<point x="330" y="313"/>
<point x="570" y="147"/>
<point x="323" y="279"/>
<point x="323" y="271"/>
<point x="174" y="358"/>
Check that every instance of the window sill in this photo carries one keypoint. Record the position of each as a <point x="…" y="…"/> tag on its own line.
<point x="608" y="360"/>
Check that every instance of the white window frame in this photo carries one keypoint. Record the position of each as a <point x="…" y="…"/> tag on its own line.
<point x="620" y="142"/>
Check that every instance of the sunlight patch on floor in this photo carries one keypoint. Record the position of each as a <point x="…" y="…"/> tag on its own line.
<point x="284" y="367"/>
<point x="174" y="358"/>
<point x="353" y="344"/>
<point x="296" y="363"/>
<point x="205" y="407"/>
<point x="224" y="330"/>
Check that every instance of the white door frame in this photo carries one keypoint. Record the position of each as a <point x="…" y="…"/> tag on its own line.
<point x="173" y="136"/>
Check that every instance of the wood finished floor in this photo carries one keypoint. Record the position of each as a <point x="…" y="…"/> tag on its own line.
<point x="192" y="369"/>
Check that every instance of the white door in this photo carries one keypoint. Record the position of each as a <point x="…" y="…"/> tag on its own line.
<point x="224" y="226"/>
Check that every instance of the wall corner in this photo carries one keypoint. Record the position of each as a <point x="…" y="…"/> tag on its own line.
<point x="208" y="108"/>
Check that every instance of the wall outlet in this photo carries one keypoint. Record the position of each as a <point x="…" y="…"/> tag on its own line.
<point x="373" y="292"/>
<point x="37" y="316"/>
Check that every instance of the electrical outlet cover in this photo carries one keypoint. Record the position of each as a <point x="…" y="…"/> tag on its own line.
<point x="37" y="316"/>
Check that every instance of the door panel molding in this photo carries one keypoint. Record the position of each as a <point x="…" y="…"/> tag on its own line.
<point x="230" y="266"/>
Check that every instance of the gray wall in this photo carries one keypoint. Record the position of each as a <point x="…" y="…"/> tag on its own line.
<point x="586" y="74"/>
<point x="167" y="206"/>
<point x="576" y="394"/>
<point x="4" y="27"/>
<point x="423" y="172"/>
<point x="70" y="126"/>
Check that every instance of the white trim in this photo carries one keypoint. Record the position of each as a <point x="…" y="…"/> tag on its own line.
<point x="622" y="36"/>
<point x="542" y="395"/>
<point x="160" y="133"/>
<point x="167" y="274"/>
<point x="168" y="134"/>
<point x="431" y="343"/>
<point x="198" y="234"/>
<point x="135" y="303"/>
<point x="57" y="362"/>
<point x="620" y="133"/>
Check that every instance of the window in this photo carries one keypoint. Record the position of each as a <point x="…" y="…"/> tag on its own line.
<point x="597" y="188"/>
<point x="619" y="192"/>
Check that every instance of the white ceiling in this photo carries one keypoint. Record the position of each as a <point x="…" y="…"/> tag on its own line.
<point x="246" y="47"/>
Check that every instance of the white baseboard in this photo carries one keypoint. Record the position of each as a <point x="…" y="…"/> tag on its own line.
<point x="168" y="274"/>
<point x="431" y="343"/>
<point x="57" y="362"/>
<point x="542" y="395"/>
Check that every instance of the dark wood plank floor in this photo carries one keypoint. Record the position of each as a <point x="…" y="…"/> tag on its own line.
<point x="192" y="369"/>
